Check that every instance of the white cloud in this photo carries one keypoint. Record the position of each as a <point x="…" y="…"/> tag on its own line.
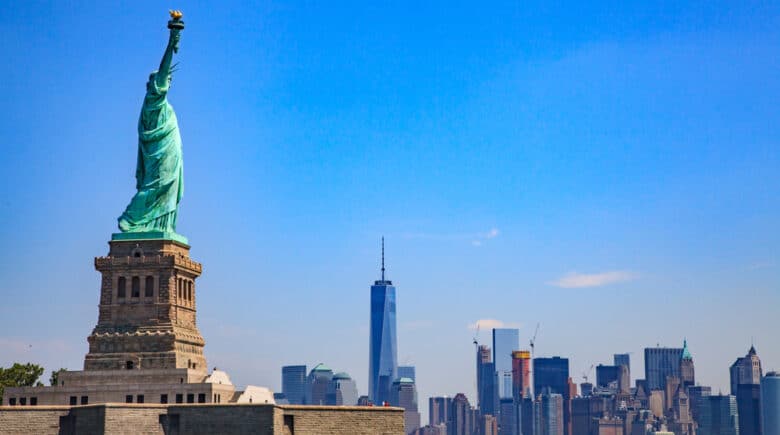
<point x="493" y="233"/>
<point x="477" y="239"/>
<point x="583" y="280"/>
<point x="488" y="324"/>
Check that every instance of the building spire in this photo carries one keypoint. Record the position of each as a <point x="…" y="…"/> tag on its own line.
<point x="383" y="258"/>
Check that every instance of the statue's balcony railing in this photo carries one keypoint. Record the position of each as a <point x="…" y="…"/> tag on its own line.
<point x="148" y="260"/>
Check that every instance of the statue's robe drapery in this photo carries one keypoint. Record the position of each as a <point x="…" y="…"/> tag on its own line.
<point x="160" y="171"/>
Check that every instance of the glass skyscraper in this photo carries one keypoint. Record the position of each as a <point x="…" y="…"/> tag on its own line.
<point x="294" y="384"/>
<point x="505" y="341"/>
<point x="383" y="344"/>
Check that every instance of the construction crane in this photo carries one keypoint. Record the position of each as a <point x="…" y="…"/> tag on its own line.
<point x="533" y="340"/>
<point x="587" y="373"/>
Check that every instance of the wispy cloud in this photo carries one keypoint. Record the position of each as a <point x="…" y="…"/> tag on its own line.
<point x="488" y="324"/>
<point x="583" y="280"/>
<point x="761" y="265"/>
<point x="477" y="239"/>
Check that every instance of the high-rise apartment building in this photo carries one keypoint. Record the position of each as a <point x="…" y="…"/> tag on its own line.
<point x="505" y="341"/>
<point x="317" y="385"/>
<point x="404" y="395"/>
<point x="746" y="370"/>
<point x="439" y="410"/>
<point x="548" y="415"/>
<point x="294" y="384"/>
<point x="521" y="374"/>
<point x="383" y="344"/>
<point x="661" y="362"/>
<point x="770" y="404"/>
<point x="342" y="391"/>
<point x="484" y="357"/>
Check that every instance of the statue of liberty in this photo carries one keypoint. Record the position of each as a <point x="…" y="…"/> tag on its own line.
<point x="159" y="172"/>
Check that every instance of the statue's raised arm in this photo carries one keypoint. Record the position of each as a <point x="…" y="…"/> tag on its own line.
<point x="160" y="169"/>
<point x="176" y="25"/>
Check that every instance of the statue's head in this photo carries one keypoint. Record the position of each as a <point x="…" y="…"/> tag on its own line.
<point x="150" y="85"/>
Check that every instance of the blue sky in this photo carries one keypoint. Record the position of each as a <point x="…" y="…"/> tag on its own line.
<point x="607" y="170"/>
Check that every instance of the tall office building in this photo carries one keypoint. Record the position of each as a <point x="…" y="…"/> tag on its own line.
<point x="624" y="360"/>
<point x="342" y="391"/>
<point x="383" y="345"/>
<point x="718" y="416"/>
<point x="696" y="395"/>
<point x="439" y="410"/>
<point x="770" y="404"/>
<point x="749" y="408"/>
<point x="746" y="370"/>
<point x="548" y="415"/>
<point x="606" y="375"/>
<point x="317" y="385"/>
<point x="687" y="375"/>
<point x="407" y="372"/>
<point x="661" y="362"/>
<point x="521" y="374"/>
<point x="527" y="416"/>
<point x="404" y="395"/>
<point x="507" y="422"/>
<point x="505" y="341"/>
<point x="461" y="416"/>
<point x="488" y="394"/>
<point x="294" y="384"/>
<point x="553" y="374"/>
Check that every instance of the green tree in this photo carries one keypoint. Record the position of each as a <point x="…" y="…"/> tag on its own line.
<point x="20" y="375"/>
<point x="55" y="376"/>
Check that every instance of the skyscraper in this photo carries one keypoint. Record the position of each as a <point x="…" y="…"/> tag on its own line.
<point x="553" y="374"/>
<point x="687" y="375"/>
<point x="749" y="408"/>
<point x="624" y="360"/>
<point x="404" y="395"/>
<point x="548" y="418"/>
<point x="439" y="410"/>
<point x="507" y="423"/>
<point x="317" y="384"/>
<point x="606" y="375"/>
<point x="488" y="394"/>
<point x="770" y="403"/>
<point x="342" y="391"/>
<point x="696" y="395"/>
<point x="505" y="341"/>
<point x="383" y="359"/>
<point x="661" y="362"/>
<point x="746" y="370"/>
<point x="461" y="416"/>
<point x="521" y="374"/>
<point x="294" y="384"/>
<point x="407" y="372"/>
<point x="718" y="416"/>
<point x="483" y="357"/>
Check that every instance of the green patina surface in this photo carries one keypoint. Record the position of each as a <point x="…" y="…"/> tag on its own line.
<point x="151" y="235"/>
<point x="160" y="168"/>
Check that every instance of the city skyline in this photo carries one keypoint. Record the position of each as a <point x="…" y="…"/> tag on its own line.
<point x="520" y="178"/>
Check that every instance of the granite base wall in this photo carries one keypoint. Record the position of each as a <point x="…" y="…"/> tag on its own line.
<point x="201" y="419"/>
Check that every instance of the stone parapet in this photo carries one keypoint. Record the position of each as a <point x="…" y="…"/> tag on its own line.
<point x="202" y="419"/>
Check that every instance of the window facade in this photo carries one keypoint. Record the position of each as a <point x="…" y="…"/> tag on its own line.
<point x="149" y="287"/>
<point x="85" y="400"/>
<point x="121" y="291"/>
<point x="163" y="398"/>
<point x="136" y="287"/>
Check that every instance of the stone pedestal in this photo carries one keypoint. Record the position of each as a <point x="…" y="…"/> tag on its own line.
<point x="147" y="308"/>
